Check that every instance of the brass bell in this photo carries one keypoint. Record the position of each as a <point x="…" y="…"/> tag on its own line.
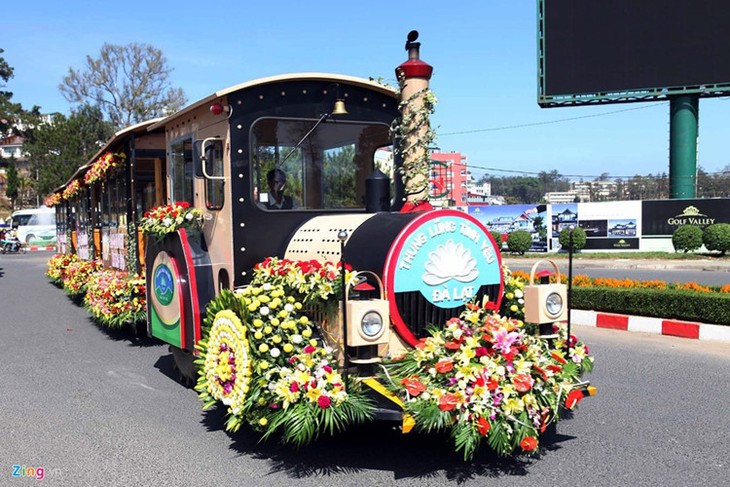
<point x="339" y="108"/>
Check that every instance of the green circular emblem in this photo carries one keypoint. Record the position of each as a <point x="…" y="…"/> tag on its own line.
<point x="163" y="284"/>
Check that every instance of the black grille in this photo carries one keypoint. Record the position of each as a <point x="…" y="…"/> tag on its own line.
<point x="418" y="314"/>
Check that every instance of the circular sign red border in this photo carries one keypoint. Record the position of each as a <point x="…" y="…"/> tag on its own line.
<point x="392" y="259"/>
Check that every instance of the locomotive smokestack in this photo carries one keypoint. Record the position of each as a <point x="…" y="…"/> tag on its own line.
<point x="414" y="76"/>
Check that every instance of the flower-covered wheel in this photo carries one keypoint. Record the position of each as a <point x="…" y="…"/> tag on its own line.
<point x="226" y="370"/>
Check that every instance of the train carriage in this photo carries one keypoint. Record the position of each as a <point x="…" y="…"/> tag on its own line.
<point x="306" y="167"/>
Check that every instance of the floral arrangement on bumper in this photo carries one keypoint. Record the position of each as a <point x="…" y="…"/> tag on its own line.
<point x="486" y="380"/>
<point x="57" y="266"/>
<point x="164" y="219"/>
<point x="262" y="358"/>
<point x="116" y="298"/>
<point x="98" y="170"/>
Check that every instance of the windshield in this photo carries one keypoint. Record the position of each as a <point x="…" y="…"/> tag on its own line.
<point x="324" y="169"/>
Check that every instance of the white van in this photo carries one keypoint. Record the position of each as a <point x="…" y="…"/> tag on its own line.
<point x="36" y="226"/>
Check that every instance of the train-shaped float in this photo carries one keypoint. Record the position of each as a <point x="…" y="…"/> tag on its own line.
<point x="281" y="232"/>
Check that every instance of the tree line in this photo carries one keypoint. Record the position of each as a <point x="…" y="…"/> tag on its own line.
<point x="532" y="189"/>
<point x="123" y="86"/>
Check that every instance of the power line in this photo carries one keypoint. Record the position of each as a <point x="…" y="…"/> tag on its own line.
<point x="560" y="120"/>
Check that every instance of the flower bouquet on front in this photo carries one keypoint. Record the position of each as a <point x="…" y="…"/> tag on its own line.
<point x="164" y="219"/>
<point x="261" y="356"/>
<point x="115" y="298"/>
<point x="486" y="380"/>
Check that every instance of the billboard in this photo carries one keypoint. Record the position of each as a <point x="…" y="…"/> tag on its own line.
<point x="660" y="218"/>
<point x="594" y="51"/>
<point x="509" y="218"/>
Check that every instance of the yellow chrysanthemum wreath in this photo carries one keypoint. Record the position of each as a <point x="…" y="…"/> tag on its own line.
<point x="227" y="365"/>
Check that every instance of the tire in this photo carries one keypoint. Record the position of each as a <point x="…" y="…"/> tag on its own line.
<point x="28" y="238"/>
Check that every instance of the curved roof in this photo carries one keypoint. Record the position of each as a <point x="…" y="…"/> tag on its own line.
<point x="140" y="127"/>
<point x="279" y="79"/>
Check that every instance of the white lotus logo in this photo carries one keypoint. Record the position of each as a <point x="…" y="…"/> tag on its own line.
<point x="450" y="261"/>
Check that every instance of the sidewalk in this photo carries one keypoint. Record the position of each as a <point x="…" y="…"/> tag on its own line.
<point x="625" y="263"/>
<point x="645" y="324"/>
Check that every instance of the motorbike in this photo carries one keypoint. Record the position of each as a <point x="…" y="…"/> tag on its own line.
<point x="9" y="243"/>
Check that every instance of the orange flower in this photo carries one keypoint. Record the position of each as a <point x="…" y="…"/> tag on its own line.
<point x="528" y="443"/>
<point x="522" y="382"/>
<point x="452" y="345"/>
<point x="573" y="398"/>
<point x="413" y="385"/>
<point x="558" y="356"/>
<point x="448" y="401"/>
<point x="483" y="426"/>
<point x="492" y="383"/>
<point x="443" y="366"/>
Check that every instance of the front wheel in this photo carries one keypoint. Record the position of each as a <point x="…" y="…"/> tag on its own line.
<point x="29" y="238"/>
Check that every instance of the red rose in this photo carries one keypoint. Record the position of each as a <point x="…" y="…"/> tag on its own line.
<point x="483" y="426"/>
<point x="324" y="402"/>
<point x="528" y="443"/>
<point x="413" y="385"/>
<point x="309" y="349"/>
<point x="573" y="398"/>
<point x="522" y="382"/>
<point x="443" y="366"/>
<point x="294" y="387"/>
<point x="447" y="402"/>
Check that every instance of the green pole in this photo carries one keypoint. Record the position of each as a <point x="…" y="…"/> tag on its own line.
<point x="684" y="115"/>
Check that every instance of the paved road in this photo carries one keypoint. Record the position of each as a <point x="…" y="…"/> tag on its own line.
<point x="95" y="408"/>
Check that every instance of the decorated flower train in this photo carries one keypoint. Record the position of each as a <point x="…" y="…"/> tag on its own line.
<point x="293" y="264"/>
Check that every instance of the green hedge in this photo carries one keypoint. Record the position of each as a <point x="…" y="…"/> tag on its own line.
<point x="668" y="304"/>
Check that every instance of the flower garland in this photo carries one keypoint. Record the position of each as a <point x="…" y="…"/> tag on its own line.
<point x="295" y="389"/>
<point x="309" y="280"/>
<point x="57" y="266"/>
<point x="101" y="166"/>
<point x="78" y="274"/>
<point x="115" y="298"/>
<point x="164" y="219"/>
<point x="416" y="136"/>
<point x="73" y="188"/>
<point x="486" y="380"/>
<point x="53" y="199"/>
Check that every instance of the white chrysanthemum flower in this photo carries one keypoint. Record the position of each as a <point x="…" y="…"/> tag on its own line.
<point x="275" y="352"/>
<point x="264" y="310"/>
<point x="167" y="222"/>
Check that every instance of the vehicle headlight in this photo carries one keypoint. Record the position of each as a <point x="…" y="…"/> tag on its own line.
<point x="554" y="304"/>
<point x="371" y="324"/>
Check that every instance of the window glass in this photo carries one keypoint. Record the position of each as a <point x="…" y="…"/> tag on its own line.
<point x="298" y="164"/>
<point x="214" y="167"/>
<point x="181" y="165"/>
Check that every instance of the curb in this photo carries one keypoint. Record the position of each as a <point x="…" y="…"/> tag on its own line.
<point x="645" y="324"/>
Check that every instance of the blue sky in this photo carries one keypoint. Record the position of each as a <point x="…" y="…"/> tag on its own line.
<point x="483" y="54"/>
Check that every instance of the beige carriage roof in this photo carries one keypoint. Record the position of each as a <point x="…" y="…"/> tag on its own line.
<point x="140" y="127"/>
<point x="278" y="79"/>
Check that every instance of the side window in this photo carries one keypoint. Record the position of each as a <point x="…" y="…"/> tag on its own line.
<point x="213" y="160"/>
<point x="181" y="169"/>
